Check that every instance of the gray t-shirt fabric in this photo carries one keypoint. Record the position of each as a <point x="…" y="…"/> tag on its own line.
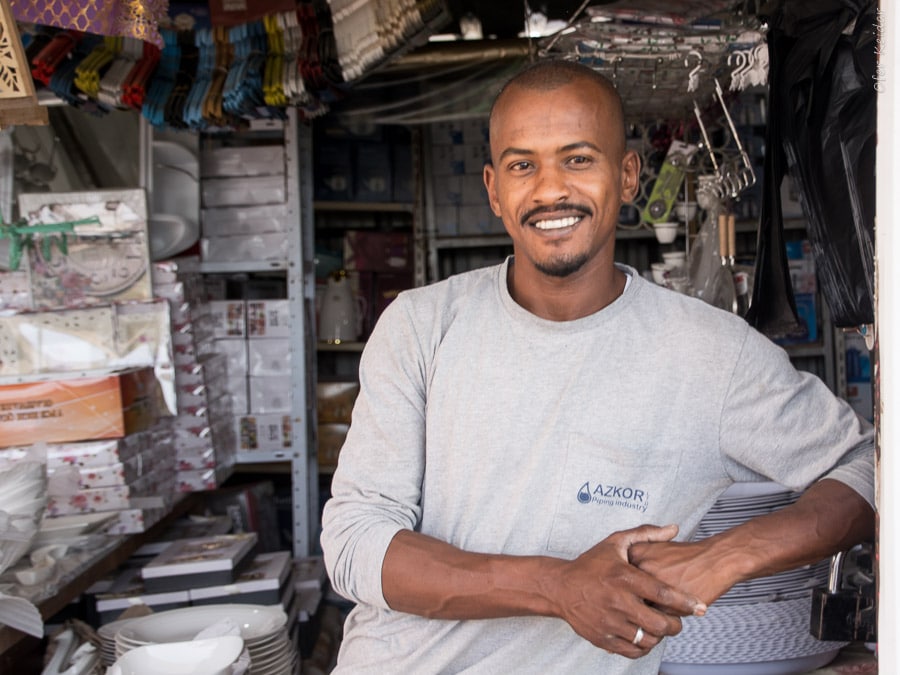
<point x="498" y="431"/>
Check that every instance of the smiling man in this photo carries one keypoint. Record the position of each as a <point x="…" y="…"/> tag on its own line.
<point x="534" y="443"/>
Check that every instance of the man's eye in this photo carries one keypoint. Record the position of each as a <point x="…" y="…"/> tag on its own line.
<point x="520" y="166"/>
<point x="579" y="159"/>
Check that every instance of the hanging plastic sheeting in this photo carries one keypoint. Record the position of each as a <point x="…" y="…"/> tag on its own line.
<point x="772" y="308"/>
<point x="825" y="91"/>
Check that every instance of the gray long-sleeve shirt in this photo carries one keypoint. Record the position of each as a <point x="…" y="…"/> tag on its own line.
<point x="497" y="431"/>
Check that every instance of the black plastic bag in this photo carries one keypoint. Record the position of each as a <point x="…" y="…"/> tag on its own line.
<point x="824" y="90"/>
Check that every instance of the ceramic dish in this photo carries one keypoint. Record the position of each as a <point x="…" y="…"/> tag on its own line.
<point x="195" y="657"/>
<point x="176" y="625"/>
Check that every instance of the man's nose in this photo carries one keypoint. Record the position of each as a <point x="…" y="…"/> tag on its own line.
<point x="551" y="186"/>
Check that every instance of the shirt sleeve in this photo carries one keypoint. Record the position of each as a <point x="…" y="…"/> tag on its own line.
<point x="376" y="487"/>
<point x="787" y="426"/>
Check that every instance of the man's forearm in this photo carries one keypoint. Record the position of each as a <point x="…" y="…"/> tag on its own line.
<point x="599" y="594"/>
<point x="827" y="518"/>
<point x="422" y="575"/>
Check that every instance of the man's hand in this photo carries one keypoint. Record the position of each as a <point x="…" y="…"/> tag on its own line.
<point x="829" y="517"/>
<point x="600" y="594"/>
<point x="606" y="599"/>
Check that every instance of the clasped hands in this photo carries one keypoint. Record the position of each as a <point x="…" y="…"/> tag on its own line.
<point x="628" y="592"/>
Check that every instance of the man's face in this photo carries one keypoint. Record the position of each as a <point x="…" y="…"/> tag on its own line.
<point x="559" y="174"/>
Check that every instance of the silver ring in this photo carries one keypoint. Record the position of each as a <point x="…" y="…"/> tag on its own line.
<point x="638" y="636"/>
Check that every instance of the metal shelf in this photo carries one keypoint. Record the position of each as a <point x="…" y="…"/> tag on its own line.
<point x="366" y="207"/>
<point x="238" y="267"/>
<point x="298" y="267"/>
<point x="340" y="347"/>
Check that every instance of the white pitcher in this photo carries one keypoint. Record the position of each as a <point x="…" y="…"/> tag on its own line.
<point x="342" y="311"/>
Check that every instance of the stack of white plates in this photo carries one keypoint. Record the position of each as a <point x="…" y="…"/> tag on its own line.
<point x="23" y="498"/>
<point x="212" y="656"/>
<point x="760" y="627"/>
<point x="263" y="629"/>
<point x="107" y="633"/>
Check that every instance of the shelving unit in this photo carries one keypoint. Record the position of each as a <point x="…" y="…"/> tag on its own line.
<point x="298" y="268"/>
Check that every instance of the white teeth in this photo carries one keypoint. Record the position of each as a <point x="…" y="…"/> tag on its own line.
<point x="557" y="224"/>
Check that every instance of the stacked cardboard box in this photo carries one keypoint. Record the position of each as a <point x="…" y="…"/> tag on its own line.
<point x="201" y="429"/>
<point x="255" y="337"/>
<point x="459" y="153"/>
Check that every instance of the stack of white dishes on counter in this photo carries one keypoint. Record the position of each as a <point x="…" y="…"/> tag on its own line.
<point x="211" y="656"/>
<point x="264" y="631"/>
<point x="759" y="627"/>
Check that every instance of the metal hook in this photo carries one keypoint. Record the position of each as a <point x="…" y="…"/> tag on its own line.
<point x="615" y="73"/>
<point x="694" y="75"/>
<point x="656" y="65"/>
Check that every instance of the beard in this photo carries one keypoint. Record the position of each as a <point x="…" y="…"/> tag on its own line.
<point x="563" y="266"/>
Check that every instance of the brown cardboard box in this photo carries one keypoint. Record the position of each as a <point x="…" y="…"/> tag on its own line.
<point x="331" y="439"/>
<point x="81" y="409"/>
<point x="334" y="401"/>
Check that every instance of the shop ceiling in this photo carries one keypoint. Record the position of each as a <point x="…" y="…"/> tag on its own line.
<point x="649" y="48"/>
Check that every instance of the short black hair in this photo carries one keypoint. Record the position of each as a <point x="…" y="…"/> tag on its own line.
<point x="554" y="73"/>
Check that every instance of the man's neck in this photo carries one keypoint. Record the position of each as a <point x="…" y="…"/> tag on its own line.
<point x="566" y="299"/>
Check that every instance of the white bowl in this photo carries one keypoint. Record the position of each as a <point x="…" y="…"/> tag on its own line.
<point x="659" y="270"/>
<point x="665" y="232"/>
<point x="685" y="211"/>
<point x="176" y="625"/>
<point x="675" y="258"/>
<point x="195" y="657"/>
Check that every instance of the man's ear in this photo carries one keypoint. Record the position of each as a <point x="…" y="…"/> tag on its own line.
<point x="631" y="175"/>
<point x="490" y="182"/>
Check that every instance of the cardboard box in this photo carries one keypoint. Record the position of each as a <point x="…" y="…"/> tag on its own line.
<point x="229" y="318"/>
<point x="128" y="590"/>
<point x="240" y="395"/>
<point x="244" y="190"/>
<point x="448" y="133"/>
<point x="104" y="338"/>
<point x="331" y="440"/>
<point x="268" y="319"/>
<point x="261" y="582"/>
<point x="378" y="251"/>
<point x="190" y="563"/>
<point x="264" y="433"/>
<point x="404" y="184"/>
<point x="334" y="170"/>
<point x="235" y="351"/>
<point x="270" y="393"/>
<point x="335" y="400"/>
<point x="231" y="220"/>
<point x="259" y="247"/>
<point x="245" y="160"/>
<point x="448" y="160"/>
<point x="449" y="191"/>
<point x="476" y="220"/>
<point x="104" y="262"/>
<point x="268" y="356"/>
<point x="374" y="181"/>
<point x="80" y="409"/>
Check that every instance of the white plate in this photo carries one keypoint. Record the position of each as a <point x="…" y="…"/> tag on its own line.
<point x="70" y="526"/>
<point x="802" y="664"/>
<point x="195" y="657"/>
<point x="275" y="667"/>
<point x="269" y="650"/>
<point x="177" y="625"/>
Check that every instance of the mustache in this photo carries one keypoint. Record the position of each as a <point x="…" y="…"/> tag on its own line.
<point x="554" y="209"/>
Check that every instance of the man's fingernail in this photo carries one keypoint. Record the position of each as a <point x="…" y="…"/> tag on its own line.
<point x="699" y="609"/>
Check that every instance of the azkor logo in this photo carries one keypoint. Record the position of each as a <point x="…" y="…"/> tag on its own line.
<point x="614" y="495"/>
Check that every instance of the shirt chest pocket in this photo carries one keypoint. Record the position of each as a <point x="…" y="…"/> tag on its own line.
<point x="603" y="490"/>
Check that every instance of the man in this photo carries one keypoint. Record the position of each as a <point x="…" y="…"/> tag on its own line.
<point x="534" y="442"/>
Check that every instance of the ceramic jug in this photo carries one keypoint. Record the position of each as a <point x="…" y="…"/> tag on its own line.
<point x="341" y="313"/>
